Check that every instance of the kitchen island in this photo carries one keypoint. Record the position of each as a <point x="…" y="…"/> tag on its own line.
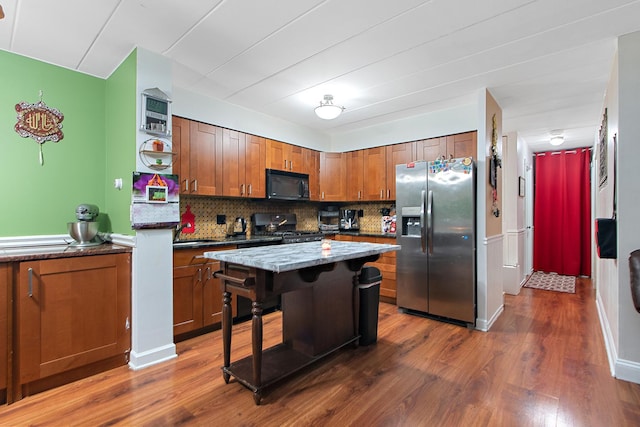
<point x="319" y="304"/>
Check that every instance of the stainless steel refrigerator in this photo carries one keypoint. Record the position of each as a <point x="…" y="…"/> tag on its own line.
<point x="436" y="266"/>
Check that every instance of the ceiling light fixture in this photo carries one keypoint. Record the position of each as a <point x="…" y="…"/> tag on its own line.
<point x="327" y="110"/>
<point x="556" y="140"/>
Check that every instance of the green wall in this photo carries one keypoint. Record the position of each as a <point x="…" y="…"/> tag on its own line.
<point x="120" y="156"/>
<point x="40" y="200"/>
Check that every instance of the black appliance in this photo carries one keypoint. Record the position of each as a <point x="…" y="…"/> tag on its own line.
<point x="282" y="185"/>
<point x="329" y="219"/>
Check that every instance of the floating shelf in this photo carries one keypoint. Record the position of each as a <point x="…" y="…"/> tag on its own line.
<point x="155" y="153"/>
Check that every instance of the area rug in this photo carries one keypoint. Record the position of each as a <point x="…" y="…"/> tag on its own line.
<point x="551" y="282"/>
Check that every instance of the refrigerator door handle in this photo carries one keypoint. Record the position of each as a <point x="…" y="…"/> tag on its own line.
<point x="430" y="222"/>
<point x="423" y="229"/>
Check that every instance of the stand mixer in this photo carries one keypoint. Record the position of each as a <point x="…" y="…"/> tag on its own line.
<point x="85" y="230"/>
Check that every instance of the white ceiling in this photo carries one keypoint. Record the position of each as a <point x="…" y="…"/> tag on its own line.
<point x="546" y="62"/>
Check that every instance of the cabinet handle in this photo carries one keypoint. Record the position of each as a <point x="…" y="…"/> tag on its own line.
<point x="388" y="193"/>
<point x="381" y="194"/>
<point x="290" y="165"/>
<point x="359" y="195"/>
<point x="199" y="275"/>
<point x="30" y="291"/>
<point x="323" y="195"/>
<point x="242" y="189"/>
<point x="186" y="185"/>
<point x="208" y="273"/>
<point x="285" y="164"/>
<point x="250" y="192"/>
<point x="195" y="185"/>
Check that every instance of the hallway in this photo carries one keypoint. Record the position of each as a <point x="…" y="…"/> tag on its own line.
<point x="543" y="363"/>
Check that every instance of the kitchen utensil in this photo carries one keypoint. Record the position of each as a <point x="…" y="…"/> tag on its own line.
<point x="83" y="232"/>
<point x="87" y="212"/>
<point x="271" y="227"/>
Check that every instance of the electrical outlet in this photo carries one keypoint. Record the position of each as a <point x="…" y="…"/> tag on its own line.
<point x="221" y="219"/>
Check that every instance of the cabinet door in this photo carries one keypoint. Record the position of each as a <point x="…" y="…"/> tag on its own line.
<point x="72" y="312"/>
<point x="180" y="147"/>
<point x="205" y="159"/>
<point x="276" y="156"/>
<point x="397" y="154"/>
<point x="254" y="167"/>
<point x="312" y="166"/>
<point x="431" y="149"/>
<point x="233" y="167"/>
<point x="295" y="157"/>
<point x="462" y="145"/>
<point x="375" y="174"/>
<point x="187" y="298"/>
<point x="333" y="174"/>
<point x="211" y="295"/>
<point x="355" y="175"/>
<point x="5" y="270"/>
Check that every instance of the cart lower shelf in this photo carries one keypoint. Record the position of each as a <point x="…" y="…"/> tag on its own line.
<point x="278" y="362"/>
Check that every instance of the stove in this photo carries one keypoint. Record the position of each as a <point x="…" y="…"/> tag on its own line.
<point x="260" y="223"/>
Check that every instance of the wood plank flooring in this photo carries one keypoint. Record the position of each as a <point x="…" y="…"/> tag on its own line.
<point x="542" y="364"/>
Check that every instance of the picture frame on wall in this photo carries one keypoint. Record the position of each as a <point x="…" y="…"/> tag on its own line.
<point x="521" y="186"/>
<point x="602" y="152"/>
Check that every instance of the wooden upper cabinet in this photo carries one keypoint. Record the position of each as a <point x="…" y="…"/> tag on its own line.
<point x="243" y="167"/>
<point x="447" y="147"/>
<point x="431" y="149"/>
<point x="180" y="148"/>
<point x="286" y="157"/>
<point x="205" y="159"/>
<point x="355" y="175"/>
<point x="462" y="145"/>
<point x="333" y="176"/>
<point x="375" y="174"/>
<point x="233" y="166"/>
<point x="312" y="167"/>
<point x="254" y="168"/>
<point x="397" y="154"/>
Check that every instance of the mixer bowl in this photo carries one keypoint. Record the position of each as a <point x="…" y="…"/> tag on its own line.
<point x="83" y="231"/>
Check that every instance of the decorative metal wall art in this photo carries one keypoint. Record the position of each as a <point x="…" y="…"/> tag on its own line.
<point x="494" y="164"/>
<point x="39" y="122"/>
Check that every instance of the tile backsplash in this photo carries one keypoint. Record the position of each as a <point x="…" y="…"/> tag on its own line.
<point x="206" y="210"/>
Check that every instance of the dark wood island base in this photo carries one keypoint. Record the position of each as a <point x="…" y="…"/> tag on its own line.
<point x="319" y="316"/>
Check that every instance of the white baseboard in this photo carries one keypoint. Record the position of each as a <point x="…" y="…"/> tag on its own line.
<point x="152" y="357"/>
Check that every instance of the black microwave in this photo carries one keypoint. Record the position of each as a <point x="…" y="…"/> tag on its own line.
<point x="282" y="185"/>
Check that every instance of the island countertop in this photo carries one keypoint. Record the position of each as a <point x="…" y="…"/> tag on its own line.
<point x="281" y="258"/>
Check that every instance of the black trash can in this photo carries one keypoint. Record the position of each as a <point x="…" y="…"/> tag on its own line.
<point x="369" y="290"/>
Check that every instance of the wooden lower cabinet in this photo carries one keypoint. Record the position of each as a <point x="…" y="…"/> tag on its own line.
<point x="197" y="295"/>
<point x="386" y="264"/>
<point x="5" y="310"/>
<point x="72" y="319"/>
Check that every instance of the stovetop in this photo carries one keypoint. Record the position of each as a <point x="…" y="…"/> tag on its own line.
<point x="288" y="232"/>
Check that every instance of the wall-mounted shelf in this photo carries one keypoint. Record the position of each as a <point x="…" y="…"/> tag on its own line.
<point x="155" y="153"/>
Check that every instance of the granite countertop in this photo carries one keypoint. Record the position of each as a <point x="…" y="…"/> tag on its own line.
<point x="367" y="234"/>
<point x="57" y="251"/>
<point x="281" y="258"/>
<point x="238" y="240"/>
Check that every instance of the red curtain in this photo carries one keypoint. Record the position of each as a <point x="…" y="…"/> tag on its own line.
<point x="562" y="213"/>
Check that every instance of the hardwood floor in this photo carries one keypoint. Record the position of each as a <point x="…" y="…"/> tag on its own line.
<point x="542" y="364"/>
